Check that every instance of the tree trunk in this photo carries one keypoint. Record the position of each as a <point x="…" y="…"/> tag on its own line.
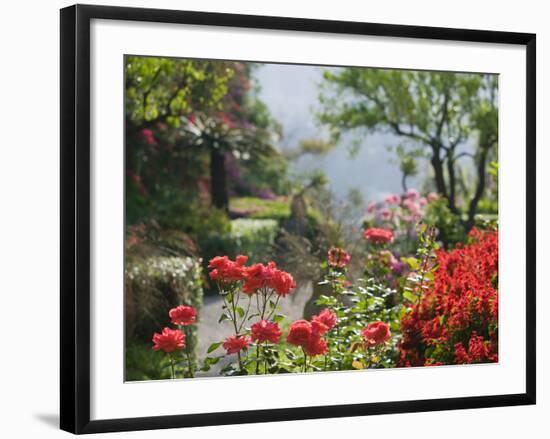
<point x="218" y="180"/>
<point x="437" y="166"/>
<point x="479" y="189"/>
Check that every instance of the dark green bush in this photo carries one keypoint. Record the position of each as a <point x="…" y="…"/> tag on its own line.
<point x="155" y="285"/>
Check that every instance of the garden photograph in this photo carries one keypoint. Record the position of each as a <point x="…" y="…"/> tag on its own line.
<point x="292" y="218"/>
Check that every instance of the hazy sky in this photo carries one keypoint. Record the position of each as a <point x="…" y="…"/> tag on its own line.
<point x="291" y="93"/>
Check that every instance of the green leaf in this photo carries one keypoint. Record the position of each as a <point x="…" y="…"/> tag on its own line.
<point x="411" y="297"/>
<point x="278" y="318"/>
<point x="213" y="347"/>
<point x="240" y="311"/>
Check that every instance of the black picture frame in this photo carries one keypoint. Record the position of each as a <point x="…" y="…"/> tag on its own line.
<point x="75" y="217"/>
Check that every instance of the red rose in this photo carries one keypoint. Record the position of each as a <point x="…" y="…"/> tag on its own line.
<point x="169" y="341"/>
<point x="183" y="315"/>
<point x="326" y="319"/>
<point x="233" y="344"/>
<point x="338" y="257"/>
<point x="378" y="236"/>
<point x="299" y="333"/>
<point x="282" y="282"/>
<point x="268" y="276"/>
<point x="265" y="331"/>
<point x="225" y="270"/>
<point x="315" y="346"/>
<point x="376" y="333"/>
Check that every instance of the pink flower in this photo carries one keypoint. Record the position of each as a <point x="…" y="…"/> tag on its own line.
<point x="338" y="257"/>
<point x="265" y="331"/>
<point x="233" y="344"/>
<point x="378" y="236"/>
<point x="148" y="136"/>
<point x="376" y="333"/>
<point x="412" y="194"/>
<point x="385" y="213"/>
<point x="183" y="315"/>
<point x="169" y="341"/>
<point x="371" y="207"/>
<point x="393" y="199"/>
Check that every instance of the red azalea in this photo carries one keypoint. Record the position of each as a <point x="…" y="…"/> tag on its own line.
<point x="338" y="257"/>
<point x="299" y="333"/>
<point x="265" y="331"/>
<point x="225" y="270"/>
<point x="169" y="341"/>
<point x="183" y="315"/>
<point x="378" y="236"/>
<point x="233" y="344"/>
<point x="460" y="304"/>
<point x="315" y="346"/>
<point x="326" y="318"/>
<point x="376" y="333"/>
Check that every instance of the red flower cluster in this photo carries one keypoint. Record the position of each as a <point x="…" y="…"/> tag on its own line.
<point x="183" y="315"/>
<point x="169" y="341"/>
<point x="378" y="236"/>
<point x="456" y="320"/>
<point x="308" y="334"/>
<point x="255" y="277"/>
<point x="225" y="270"/>
<point x="268" y="276"/>
<point x="235" y="344"/>
<point x="265" y="331"/>
<point x="376" y="333"/>
<point x="338" y="257"/>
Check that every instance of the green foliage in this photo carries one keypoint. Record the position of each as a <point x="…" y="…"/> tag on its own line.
<point x="448" y="224"/>
<point x="142" y="363"/>
<point x="153" y="286"/>
<point x="165" y="88"/>
<point x="259" y="208"/>
<point x="437" y="112"/>
<point x="254" y="237"/>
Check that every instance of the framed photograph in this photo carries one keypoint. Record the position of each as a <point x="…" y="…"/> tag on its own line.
<point x="272" y="218"/>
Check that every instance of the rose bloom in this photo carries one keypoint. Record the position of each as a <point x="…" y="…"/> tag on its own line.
<point x="283" y="283"/>
<point x="326" y="318"/>
<point x="378" y="236"/>
<point x="183" y="315"/>
<point x="225" y="270"/>
<point x="169" y="341"/>
<point x="376" y="333"/>
<point x="315" y="346"/>
<point x="265" y="331"/>
<point x="268" y="276"/>
<point x="299" y="333"/>
<point x="338" y="257"/>
<point x="233" y="344"/>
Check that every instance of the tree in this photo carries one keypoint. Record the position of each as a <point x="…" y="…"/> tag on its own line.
<point x="200" y="107"/>
<point x="439" y="111"/>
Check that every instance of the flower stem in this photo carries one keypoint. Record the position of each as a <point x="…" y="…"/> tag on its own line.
<point x="172" y="366"/>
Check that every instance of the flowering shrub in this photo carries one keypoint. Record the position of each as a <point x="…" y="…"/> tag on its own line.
<point x="455" y="319"/>
<point x="443" y="311"/>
